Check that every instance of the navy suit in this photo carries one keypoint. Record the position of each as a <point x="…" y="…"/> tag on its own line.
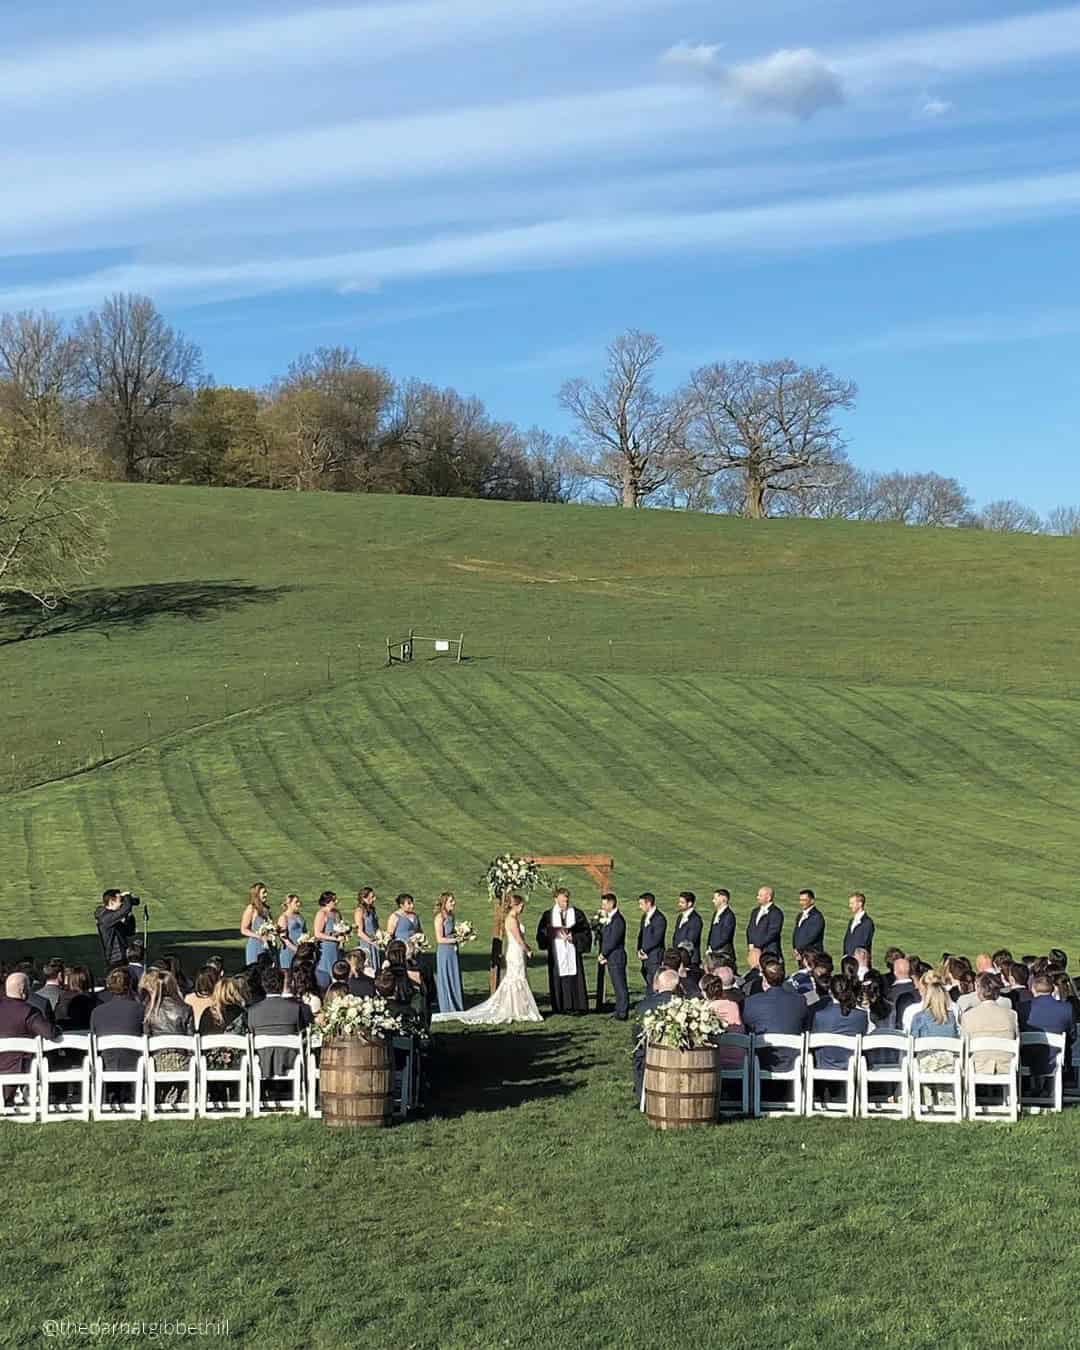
<point x="1045" y="1013"/>
<point x="688" y="933"/>
<point x="765" y="931"/>
<point x="613" y="950"/>
<point x="862" y="935"/>
<point x="651" y="941"/>
<point x="722" y="934"/>
<point x="777" y="1010"/>
<point x="647" y="1004"/>
<point x="809" y="930"/>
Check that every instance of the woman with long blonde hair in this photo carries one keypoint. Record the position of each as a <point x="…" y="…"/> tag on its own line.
<point x="447" y="960"/>
<point x="365" y="926"/>
<point x="256" y="914"/>
<point x="935" y="1019"/>
<point x="291" y="925"/>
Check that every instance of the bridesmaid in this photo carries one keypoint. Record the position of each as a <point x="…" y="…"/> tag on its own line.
<point x="448" y="965"/>
<point x="366" y="925"/>
<point x="292" y="925"/>
<point x="326" y="926"/>
<point x="404" y="922"/>
<point x="256" y="914"/>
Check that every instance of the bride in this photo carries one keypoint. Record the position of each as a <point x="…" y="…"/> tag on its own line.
<point x="513" y="1000"/>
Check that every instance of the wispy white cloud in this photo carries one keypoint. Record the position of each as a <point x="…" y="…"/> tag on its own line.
<point x="934" y="108"/>
<point x="792" y="82"/>
<point x="748" y="231"/>
<point x="40" y="191"/>
<point x="969" y="330"/>
<point x="357" y="35"/>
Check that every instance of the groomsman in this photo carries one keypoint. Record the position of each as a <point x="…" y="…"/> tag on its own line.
<point x="860" y="931"/>
<point x="689" y="925"/>
<point x="766" y="924"/>
<point x="722" y="929"/>
<point x="652" y="937"/>
<point x="809" y="926"/>
<point x="612" y="955"/>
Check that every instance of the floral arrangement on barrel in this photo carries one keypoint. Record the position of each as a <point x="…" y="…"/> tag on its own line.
<point x="348" y="1015"/>
<point x="682" y="1024"/>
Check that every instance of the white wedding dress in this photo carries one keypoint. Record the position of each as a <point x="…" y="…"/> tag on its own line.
<point x="513" y="1000"/>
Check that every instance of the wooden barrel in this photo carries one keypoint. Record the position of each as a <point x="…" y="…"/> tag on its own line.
<point x="356" y="1079"/>
<point x="681" y="1087"/>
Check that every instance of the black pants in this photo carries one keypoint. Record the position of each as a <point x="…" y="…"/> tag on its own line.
<point x="616" y="968"/>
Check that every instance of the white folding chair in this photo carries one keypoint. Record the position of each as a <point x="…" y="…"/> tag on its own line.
<point x="182" y="1082"/>
<point x="784" y="1106"/>
<point x="75" y="1105"/>
<point x="742" y="1074"/>
<point x="1008" y="1109"/>
<point x="293" y="1100"/>
<point x="1054" y="1043"/>
<point x="827" y="1040"/>
<point x="893" y="1078"/>
<point x="951" y="1079"/>
<point x="135" y="1078"/>
<point x="24" y="1084"/>
<point x="1070" y="1088"/>
<point x="314" y="1102"/>
<point x="237" y="1075"/>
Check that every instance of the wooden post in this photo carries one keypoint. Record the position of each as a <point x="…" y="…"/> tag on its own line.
<point x="460" y="646"/>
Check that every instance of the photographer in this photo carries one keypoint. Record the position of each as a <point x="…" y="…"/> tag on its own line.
<point x="116" y="925"/>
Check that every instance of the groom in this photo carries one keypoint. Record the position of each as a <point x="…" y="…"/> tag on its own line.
<point x="564" y="933"/>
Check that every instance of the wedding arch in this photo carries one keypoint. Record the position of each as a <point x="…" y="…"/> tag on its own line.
<point x="599" y="866"/>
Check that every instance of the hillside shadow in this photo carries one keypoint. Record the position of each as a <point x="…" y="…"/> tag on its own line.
<point x="509" y="1068"/>
<point x="99" y="609"/>
<point x="193" y="947"/>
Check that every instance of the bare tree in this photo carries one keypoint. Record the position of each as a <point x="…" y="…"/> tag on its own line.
<point x="770" y="422"/>
<point x="631" y="438"/>
<point x="1063" y="520"/>
<point x="39" y="380"/>
<point x="917" y="499"/>
<point x="1007" y="516"/>
<point x="137" y="371"/>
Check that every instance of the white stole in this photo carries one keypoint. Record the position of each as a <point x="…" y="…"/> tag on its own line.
<point x="565" y="951"/>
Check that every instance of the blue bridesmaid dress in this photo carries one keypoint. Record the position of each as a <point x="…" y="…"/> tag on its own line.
<point x="371" y="927"/>
<point x="328" y="954"/>
<point x="294" y="930"/>
<point x="408" y="925"/>
<point x="254" y="947"/>
<point x="448" y="972"/>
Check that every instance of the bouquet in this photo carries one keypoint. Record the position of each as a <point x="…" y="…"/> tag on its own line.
<point x="598" y="923"/>
<point x="352" y="1016"/>
<point x="682" y="1024"/>
<point x="416" y="944"/>
<point x="272" y="937"/>
<point x="464" y="932"/>
<point x="506" y="873"/>
<point x="381" y="939"/>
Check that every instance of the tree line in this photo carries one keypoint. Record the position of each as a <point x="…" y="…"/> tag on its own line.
<point x="120" y="394"/>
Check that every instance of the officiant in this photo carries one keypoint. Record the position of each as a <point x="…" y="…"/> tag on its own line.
<point x="564" y="933"/>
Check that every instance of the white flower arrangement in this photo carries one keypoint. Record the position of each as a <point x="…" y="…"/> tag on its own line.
<point x="506" y="873"/>
<point x="682" y="1024"/>
<point x="352" y="1016"/>
<point x="305" y="937"/>
<point x="416" y="944"/>
<point x="380" y="938"/>
<point x="464" y="932"/>
<point x="272" y="937"/>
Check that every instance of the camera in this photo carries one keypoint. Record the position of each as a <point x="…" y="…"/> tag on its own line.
<point x="133" y="898"/>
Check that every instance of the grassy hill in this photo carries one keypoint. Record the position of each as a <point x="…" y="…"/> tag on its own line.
<point x="715" y="702"/>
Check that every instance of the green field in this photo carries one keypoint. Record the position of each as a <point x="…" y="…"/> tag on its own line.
<point x="711" y="701"/>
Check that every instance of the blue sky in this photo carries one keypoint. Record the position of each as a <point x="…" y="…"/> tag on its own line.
<point x="483" y="192"/>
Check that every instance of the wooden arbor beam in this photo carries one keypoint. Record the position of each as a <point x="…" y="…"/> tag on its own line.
<point x="598" y="865"/>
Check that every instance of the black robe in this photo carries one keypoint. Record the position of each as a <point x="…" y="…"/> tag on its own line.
<point x="568" y="992"/>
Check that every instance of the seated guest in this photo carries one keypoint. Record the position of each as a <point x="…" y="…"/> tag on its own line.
<point x="665" y="988"/>
<point x="862" y="964"/>
<point x="1044" y="1012"/>
<point x="879" y="1010"/>
<point x="1002" y="959"/>
<point x="935" y="1019"/>
<point x="1016" y="987"/>
<point x="172" y="963"/>
<point x="53" y="986"/>
<point x="120" y="1015"/>
<point x="277" y="1015"/>
<point x="405" y="996"/>
<point x="19" y="1020"/>
<point x="730" y="982"/>
<point x="166" y="1014"/>
<point x="777" y="1010"/>
<point x="902" y="993"/>
<point x="802" y="980"/>
<point x="841" y="1016"/>
<point x="202" y="995"/>
<point x="1065" y="990"/>
<point x="134" y="955"/>
<point x="225" y="1013"/>
<point x="989" y="1018"/>
<point x="849" y="967"/>
<point x="728" y="1011"/>
<point x="821" y="976"/>
<point x="892" y="955"/>
<point x="77" y="1000"/>
<point x="984" y="964"/>
<point x="751" y="982"/>
<point x="339" y="989"/>
<point x="301" y="983"/>
<point x="689" y="975"/>
<point x="359" y="981"/>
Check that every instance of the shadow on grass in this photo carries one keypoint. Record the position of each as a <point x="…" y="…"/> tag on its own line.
<point x="97" y="609"/>
<point x="192" y="947"/>
<point x="490" y="1071"/>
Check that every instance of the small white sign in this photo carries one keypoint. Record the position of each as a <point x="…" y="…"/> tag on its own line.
<point x="441" y="645"/>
